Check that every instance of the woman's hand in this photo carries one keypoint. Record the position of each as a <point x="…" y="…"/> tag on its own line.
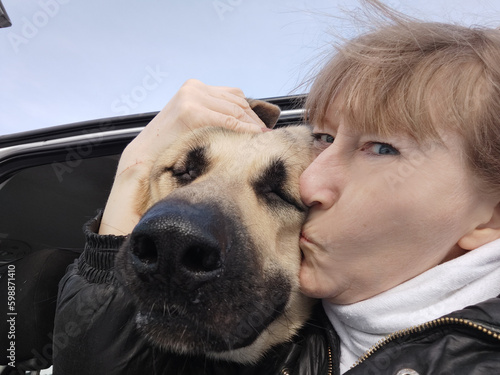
<point x="195" y="105"/>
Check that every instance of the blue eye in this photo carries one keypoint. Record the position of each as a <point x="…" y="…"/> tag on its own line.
<point x="382" y="149"/>
<point x="324" y="138"/>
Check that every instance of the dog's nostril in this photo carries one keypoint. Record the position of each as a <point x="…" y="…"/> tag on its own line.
<point x="145" y="253"/>
<point x="201" y="259"/>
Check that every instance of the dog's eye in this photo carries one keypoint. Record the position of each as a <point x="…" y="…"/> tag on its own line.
<point x="275" y="193"/>
<point x="270" y="186"/>
<point x="187" y="170"/>
<point x="184" y="175"/>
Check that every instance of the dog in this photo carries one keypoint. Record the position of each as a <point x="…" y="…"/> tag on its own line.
<point x="213" y="263"/>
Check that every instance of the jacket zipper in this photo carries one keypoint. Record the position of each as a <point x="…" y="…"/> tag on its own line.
<point x="330" y="364"/>
<point x="495" y="333"/>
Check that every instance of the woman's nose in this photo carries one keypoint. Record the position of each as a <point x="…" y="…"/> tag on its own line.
<point x="319" y="183"/>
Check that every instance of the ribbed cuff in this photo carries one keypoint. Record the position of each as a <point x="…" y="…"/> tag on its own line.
<point x="96" y="263"/>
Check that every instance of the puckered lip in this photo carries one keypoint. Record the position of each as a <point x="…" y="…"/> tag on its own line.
<point x="305" y="239"/>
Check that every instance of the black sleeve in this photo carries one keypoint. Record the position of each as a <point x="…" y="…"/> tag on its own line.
<point x="95" y="332"/>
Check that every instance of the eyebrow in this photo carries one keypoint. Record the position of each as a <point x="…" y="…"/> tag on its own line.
<point x="327" y="124"/>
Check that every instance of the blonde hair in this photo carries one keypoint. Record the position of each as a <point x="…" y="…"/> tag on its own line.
<point x="417" y="78"/>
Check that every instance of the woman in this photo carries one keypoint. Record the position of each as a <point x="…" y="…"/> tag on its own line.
<point x="404" y="215"/>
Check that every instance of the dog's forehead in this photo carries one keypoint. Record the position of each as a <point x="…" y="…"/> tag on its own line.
<point x="224" y="147"/>
<point x="286" y="137"/>
<point x="282" y="141"/>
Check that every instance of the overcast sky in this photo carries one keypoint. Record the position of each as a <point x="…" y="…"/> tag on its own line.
<point x="65" y="61"/>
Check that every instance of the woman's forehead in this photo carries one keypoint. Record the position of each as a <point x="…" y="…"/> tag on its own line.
<point x="378" y="119"/>
<point x="332" y="118"/>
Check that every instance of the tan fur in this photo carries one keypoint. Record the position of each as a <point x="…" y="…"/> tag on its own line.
<point x="235" y="160"/>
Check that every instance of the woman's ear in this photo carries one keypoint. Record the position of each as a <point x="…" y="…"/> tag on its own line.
<point x="483" y="233"/>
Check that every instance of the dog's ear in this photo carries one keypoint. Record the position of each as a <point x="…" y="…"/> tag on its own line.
<point x="267" y="112"/>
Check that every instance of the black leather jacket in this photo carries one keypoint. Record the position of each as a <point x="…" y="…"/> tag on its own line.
<point x="95" y="334"/>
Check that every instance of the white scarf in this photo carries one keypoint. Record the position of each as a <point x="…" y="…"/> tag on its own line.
<point x="469" y="279"/>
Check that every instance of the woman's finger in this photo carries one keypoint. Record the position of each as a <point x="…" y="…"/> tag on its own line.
<point x="225" y="100"/>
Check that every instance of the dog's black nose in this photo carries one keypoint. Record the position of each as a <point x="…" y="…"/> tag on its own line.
<point x="180" y="243"/>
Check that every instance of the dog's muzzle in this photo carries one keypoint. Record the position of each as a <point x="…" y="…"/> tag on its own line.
<point x="198" y="279"/>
